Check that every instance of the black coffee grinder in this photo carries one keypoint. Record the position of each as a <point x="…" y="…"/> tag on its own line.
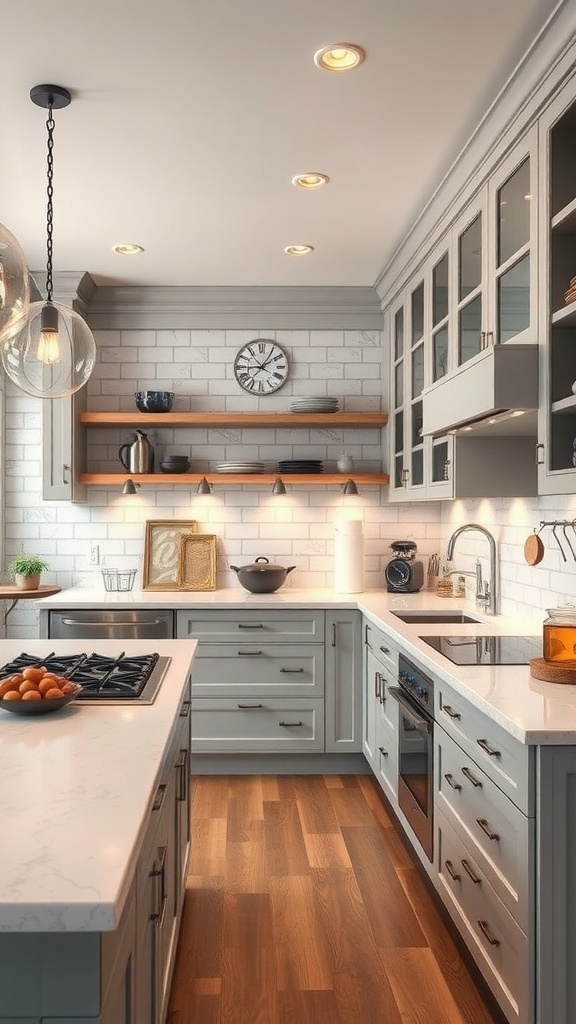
<point x="404" y="572"/>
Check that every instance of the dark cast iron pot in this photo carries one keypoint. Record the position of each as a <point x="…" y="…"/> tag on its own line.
<point x="262" y="576"/>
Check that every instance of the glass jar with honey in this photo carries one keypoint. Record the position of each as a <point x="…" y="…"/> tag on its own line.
<point x="559" y="639"/>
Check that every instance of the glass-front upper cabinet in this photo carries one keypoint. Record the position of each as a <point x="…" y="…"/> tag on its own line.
<point x="557" y="405"/>
<point x="494" y="247"/>
<point x="419" y="325"/>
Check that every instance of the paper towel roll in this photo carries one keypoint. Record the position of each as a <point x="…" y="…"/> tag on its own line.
<point x="349" y="556"/>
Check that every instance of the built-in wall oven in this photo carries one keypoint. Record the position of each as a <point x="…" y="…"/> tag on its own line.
<point x="415" y="695"/>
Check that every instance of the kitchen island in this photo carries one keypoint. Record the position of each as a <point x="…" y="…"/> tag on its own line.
<point x="94" y="844"/>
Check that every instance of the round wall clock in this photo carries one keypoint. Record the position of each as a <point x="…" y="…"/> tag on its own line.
<point x="261" y="367"/>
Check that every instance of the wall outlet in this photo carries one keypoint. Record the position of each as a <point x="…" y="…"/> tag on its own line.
<point x="94" y="557"/>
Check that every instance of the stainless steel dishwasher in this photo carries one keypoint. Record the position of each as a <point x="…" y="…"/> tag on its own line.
<point x="99" y="624"/>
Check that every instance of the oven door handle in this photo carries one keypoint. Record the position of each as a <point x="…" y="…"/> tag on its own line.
<point x="420" y="722"/>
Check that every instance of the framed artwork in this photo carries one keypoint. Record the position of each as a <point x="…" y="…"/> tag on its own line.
<point x="162" y="552"/>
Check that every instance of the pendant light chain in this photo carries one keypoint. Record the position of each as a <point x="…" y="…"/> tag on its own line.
<point x="50" y="123"/>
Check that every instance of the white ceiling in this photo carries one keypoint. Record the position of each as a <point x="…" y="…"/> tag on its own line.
<point x="190" y="118"/>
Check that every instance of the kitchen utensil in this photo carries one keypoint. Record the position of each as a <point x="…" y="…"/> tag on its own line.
<point x="137" y="457"/>
<point x="262" y="576"/>
<point x="154" y="401"/>
<point x="533" y="549"/>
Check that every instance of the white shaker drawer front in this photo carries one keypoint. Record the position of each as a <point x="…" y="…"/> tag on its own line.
<point x="276" y="669"/>
<point x="499" y="946"/>
<point x="500" y="836"/>
<point x="508" y="762"/>
<point x="268" y="726"/>
<point x="232" y="625"/>
<point x="387" y="759"/>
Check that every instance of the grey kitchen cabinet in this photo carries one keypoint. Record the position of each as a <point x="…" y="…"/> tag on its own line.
<point x="476" y="289"/>
<point x="485" y="851"/>
<point x="380" y="711"/>
<point x="120" y="976"/>
<point x="63" y="448"/>
<point x="343" y="695"/>
<point x="557" y="409"/>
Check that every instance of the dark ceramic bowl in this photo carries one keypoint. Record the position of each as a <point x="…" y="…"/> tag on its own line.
<point x="154" y="401"/>
<point x="38" y="707"/>
<point x="175" y="467"/>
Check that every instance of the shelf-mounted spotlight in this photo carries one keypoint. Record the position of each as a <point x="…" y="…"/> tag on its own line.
<point x="204" y="487"/>
<point x="278" y="486"/>
<point x="130" y="487"/>
<point x="349" y="488"/>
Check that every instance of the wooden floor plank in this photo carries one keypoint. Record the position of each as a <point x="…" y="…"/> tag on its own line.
<point x="304" y="906"/>
<point x="392" y="918"/>
<point x="285" y="848"/>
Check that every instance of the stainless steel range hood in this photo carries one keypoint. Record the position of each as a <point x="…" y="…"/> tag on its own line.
<point x="495" y="393"/>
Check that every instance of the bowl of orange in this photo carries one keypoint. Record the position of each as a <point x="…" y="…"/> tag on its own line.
<point x="35" y="691"/>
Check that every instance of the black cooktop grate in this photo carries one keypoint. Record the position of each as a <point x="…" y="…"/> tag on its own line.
<point x="122" y="676"/>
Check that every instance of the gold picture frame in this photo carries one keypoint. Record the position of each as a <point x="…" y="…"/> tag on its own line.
<point x="198" y="561"/>
<point x="162" y="552"/>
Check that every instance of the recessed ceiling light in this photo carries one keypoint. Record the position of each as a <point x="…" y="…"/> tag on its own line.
<point x="298" y="250"/>
<point x="128" y="249"/>
<point x="339" y="57"/>
<point x="312" y="179"/>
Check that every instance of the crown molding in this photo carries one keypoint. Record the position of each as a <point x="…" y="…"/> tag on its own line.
<point x="257" y="308"/>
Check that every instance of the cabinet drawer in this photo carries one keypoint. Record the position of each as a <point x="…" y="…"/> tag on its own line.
<point x="500" y="836"/>
<point x="268" y="726"/>
<point x="230" y="626"/>
<point x="249" y="669"/>
<point x="508" y="762"/>
<point x="387" y="759"/>
<point x="499" y="946"/>
<point x="382" y="646"/>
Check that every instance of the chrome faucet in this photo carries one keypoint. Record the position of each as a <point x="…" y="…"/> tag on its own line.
<point x="486" y="592"/>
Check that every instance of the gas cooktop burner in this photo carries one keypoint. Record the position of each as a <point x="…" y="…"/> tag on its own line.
<point x="486" y="650"/>
<point x="120" y="679"/>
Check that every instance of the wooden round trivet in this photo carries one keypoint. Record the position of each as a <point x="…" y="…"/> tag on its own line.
<point x="553" y="673"/>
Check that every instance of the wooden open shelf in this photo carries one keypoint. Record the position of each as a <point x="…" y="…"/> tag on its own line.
<point x="188" y="479"/>
<point x="234" y="419"/>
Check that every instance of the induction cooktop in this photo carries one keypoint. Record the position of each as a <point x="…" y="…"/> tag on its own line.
<point x="487" y="650"/>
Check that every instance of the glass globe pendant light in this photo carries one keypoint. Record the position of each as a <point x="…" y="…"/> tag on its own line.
<point x="54" y="353"/>
<point x="14" y="285"/>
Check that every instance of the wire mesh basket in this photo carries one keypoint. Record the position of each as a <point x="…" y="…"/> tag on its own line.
<point x="118" y="579"/>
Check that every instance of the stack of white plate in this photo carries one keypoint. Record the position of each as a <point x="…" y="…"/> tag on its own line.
<point x="314" y="403"/>
<point x="240" y="467"/>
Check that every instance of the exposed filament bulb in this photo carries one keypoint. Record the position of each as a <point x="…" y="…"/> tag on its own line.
<point x="49" y="341"/>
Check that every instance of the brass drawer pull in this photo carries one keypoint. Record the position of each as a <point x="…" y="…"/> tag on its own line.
<point x="450" y="711"/>
<point x="293" y="670"/>
<point x="452" y="782"/>
<point x="471" y="778"/>
<point x="470" y="873"/>
<point x="450" y="869"/>
<point x="249" y="654"/>
<point x="250" y="625"/>
<point x="286" y="724"/>
<point x="483" y="926"/>
<point x="486" y="829"/>
<point x="249" y="707"/>
<point x="485" y="746"/>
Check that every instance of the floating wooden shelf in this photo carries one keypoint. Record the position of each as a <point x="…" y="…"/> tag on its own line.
<point x="565" y="405"/>
<point x="234" y="419"/>
<point x="189" y="479"/>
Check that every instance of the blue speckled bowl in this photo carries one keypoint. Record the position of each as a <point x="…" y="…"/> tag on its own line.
<point x="154" y="401"/>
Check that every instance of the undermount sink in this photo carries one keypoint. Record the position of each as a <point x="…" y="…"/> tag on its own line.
<point x="432" y="616"/>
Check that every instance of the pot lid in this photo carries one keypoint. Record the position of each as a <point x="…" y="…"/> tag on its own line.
<point x="262" y="564"/>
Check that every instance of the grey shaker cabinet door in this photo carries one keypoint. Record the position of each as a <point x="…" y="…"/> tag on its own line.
<point x="63" y="448"/>
<point x="343" y="692"/>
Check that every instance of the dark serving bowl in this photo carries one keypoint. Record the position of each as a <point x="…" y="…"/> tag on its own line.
<point x="154" y="401"/>
<point x="38" y="707"/>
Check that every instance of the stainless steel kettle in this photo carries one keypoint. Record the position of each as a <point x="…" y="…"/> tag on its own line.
<point x="137" y="457"/>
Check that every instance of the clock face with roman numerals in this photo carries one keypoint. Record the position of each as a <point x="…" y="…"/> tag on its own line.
<point x="261" y="367"/>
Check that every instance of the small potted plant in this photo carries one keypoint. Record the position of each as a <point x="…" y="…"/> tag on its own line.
<point x="26" y="571"/>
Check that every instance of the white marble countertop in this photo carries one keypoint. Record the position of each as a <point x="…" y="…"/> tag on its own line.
<point x="76" y="789"/>
<point x="533" y="711"/>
